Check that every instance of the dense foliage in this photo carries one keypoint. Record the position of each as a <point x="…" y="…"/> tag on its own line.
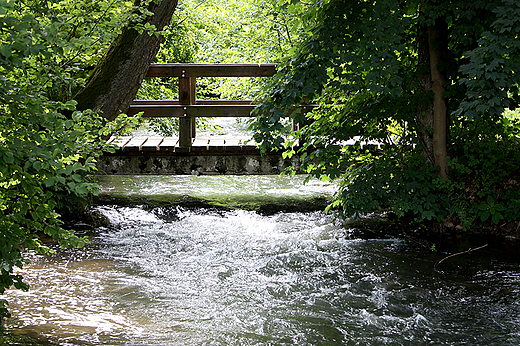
<point x="361" y="63"/>
<point x="46" y="157"/>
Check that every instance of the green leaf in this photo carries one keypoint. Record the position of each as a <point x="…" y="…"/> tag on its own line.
<point x="8" y="158"/>
<point x="37" y="165"/>
<point x="77" y="165"/>
<point x="50" y="181"/>
<point x="5" y="50"/>
<point x="81" y="189"/>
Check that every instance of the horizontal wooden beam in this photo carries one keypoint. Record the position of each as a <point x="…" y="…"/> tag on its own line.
<point x="153" y="102"/>
<point x="211" y="70"/>
<point x="225" y="102"/>
<point x="221" y="111"/>
<point x="197" y="102"/>
<point x="198" y="111"/>
<point x="157" y="111"/>
<point x="203" y="109"/>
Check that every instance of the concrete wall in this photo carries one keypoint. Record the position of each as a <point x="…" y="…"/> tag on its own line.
<point x="249" y="164"/>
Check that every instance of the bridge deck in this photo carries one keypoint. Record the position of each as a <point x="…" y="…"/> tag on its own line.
<point x="150" y="145"/>
<point x="163" y="155"/>
<point x="156" y="145"/>
<point x="147" y="145"/>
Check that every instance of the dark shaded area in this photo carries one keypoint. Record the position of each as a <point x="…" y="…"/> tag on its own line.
<point x="275" y="205"/>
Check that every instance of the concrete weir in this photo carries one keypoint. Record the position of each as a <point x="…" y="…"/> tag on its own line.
<point x="205" y="156"/>
<point x="238" y="163"/>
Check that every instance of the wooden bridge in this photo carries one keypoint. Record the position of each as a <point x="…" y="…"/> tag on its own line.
<point x="187" y="153"/>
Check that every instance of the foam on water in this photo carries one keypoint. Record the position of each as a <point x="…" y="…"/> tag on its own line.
<point x="199" y="276"/>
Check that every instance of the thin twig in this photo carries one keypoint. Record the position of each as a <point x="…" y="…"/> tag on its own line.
<point x="458" y="253"/>
<point x="187" y="16"/>
<point x="80" y="51"/>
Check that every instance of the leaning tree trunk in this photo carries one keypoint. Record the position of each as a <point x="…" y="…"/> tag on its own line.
<point x="440" y="132"/>
<point x="118" y="76"/>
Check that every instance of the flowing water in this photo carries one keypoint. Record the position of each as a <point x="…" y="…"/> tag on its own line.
<point x="178" y="275"/>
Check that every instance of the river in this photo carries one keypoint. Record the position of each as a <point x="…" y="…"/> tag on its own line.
<point x="170" y="272"/>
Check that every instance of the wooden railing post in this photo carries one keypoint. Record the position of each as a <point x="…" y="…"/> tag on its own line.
<point x="193" y="100"/>
<point x="185" y="122"/>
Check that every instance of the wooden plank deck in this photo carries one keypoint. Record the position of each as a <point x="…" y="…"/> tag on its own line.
<point x="156" y="145"/>
<point x="207" y="145"/>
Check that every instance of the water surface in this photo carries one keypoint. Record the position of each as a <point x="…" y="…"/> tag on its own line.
<point x="176" y="275"/>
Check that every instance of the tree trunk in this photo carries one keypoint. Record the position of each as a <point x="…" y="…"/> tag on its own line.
<point x="424" y="110"/>
<point x="439" y="102"/>
<point x="118" y="76"/>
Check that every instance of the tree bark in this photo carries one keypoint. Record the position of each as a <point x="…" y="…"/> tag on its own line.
<point x="439" y="102"/>
<point x="118" y="76"/>
<point x="424" y="110"/>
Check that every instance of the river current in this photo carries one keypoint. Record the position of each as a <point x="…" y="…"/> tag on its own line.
<point x="176" y="274"/>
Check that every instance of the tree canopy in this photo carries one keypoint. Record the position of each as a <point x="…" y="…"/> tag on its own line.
<point x="370" y="68"/>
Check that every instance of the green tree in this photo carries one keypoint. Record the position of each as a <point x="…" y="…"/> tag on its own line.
<point x="425" y="81"/>
<point x="45" y="157"/>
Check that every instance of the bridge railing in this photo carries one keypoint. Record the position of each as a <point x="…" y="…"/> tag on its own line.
<point x="187" y="108"/>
